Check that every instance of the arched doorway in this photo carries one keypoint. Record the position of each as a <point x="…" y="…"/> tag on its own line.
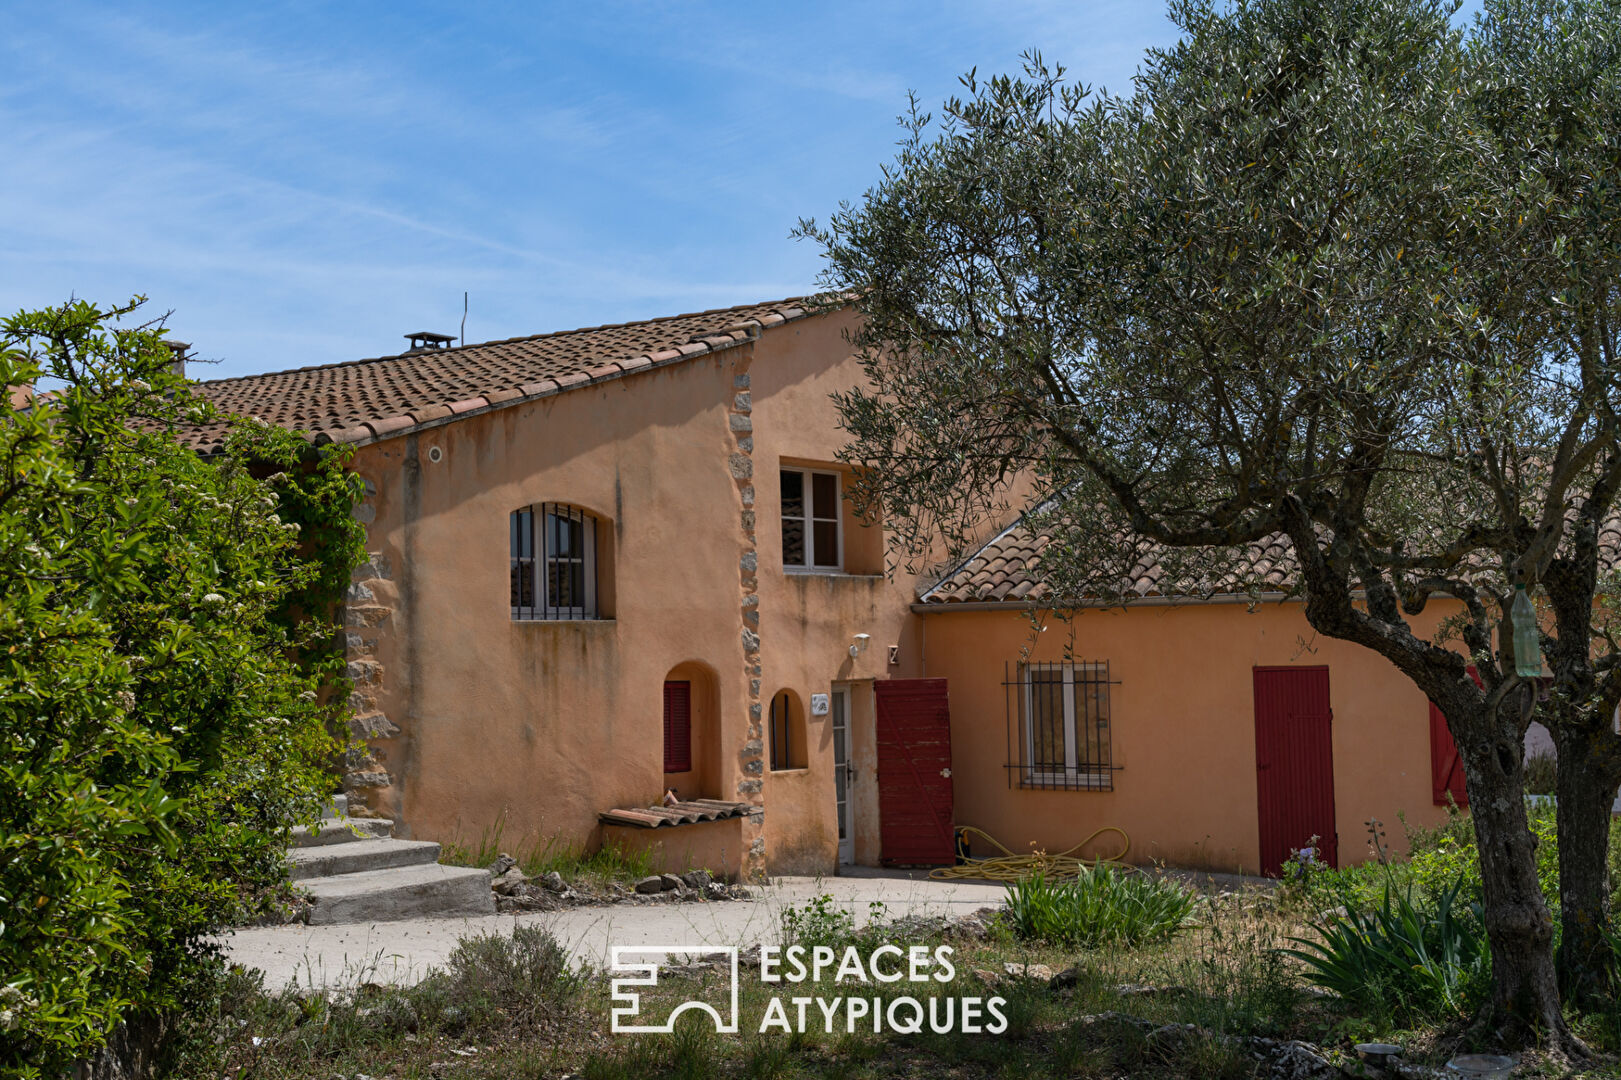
<point x="692" y="731"/>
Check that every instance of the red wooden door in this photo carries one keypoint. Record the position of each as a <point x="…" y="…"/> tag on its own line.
<point x="914" y="773"/>
<point x="1294" y="763"/>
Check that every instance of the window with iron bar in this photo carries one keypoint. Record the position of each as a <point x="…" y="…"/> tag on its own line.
<point x="554" y="563"/>
<point x="1059" y="725"/>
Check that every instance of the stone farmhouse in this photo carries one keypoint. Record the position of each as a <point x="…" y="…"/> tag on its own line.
<point x="616" y="562"/>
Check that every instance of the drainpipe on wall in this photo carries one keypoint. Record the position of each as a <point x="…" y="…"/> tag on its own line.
<point x="923" y="645"/>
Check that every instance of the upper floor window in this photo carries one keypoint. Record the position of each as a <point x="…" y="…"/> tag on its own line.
<point x="811" y="537"/>
<point x="554" y="563"/>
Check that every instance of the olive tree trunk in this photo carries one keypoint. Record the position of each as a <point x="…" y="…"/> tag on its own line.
<point x="1587" y="790"/>
<point x="1525" y="1003"/>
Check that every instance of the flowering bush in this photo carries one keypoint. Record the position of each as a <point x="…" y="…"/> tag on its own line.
<point x="1302" y="870"/>
<point x="165" y="676"/>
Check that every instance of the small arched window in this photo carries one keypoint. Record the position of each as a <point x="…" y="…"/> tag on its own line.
<point x="787" y="732"/>
<point x="554" y="563"/>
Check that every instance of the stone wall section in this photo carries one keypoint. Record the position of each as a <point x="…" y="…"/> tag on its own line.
<point x="368" y="616"/>
<point x="751" y="758"/>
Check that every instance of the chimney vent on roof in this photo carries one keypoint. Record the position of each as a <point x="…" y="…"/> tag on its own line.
<point x="177" y="356"/>
<point x="425" y="340"/>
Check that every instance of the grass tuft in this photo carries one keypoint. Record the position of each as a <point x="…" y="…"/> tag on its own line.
<point x="609" y="864"/>
<point x="1101" y="904"/>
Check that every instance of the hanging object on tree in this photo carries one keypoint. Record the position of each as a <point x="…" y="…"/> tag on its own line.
<point x="1527" y="638"/>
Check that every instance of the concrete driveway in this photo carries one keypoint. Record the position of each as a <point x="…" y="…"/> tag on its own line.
<point x="402" y="952"/>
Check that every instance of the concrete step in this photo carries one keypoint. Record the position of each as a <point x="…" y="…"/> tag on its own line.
<point x="400" y="892"/>
<point x="359" y="856"/>
<point x="338" y="807"/>
<point x="345" y="830"/>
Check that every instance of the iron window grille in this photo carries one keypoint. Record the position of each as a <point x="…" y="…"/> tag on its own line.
<point x="811" y="537"/>
<point x="554" y="570"/>
<point x="1058" y="725"/>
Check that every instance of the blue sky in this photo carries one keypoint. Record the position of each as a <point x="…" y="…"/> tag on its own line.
<point x="303" y="183"/>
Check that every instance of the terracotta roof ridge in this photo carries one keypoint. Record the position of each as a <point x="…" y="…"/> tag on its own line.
<point x="778" y="306"/>
<point x="962" y="564"/>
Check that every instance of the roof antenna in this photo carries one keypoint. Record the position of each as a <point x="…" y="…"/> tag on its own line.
<point x="464" y="317"/>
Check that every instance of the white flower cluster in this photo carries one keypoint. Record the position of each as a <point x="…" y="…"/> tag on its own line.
<point x="13" y="1003"/>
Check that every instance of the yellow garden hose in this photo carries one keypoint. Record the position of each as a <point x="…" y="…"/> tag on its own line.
<point x="1011" y="867"/>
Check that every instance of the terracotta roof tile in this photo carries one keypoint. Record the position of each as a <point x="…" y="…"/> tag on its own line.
<point x="1007" y="569"/>
<point x="365" y="399"/>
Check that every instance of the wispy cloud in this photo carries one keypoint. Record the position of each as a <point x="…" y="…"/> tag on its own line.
<point x="304" y="183"/>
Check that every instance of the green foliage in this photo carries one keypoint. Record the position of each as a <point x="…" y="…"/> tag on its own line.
<point x="820" y="921"/>
<point x="1440" y="858"/>
<point x="1337" y="273"/>
<point x="511" y="987"/>
<point x="1100" y="904"/>
<point x="1403" y="960"/>
<point x="1302" y="873"/>
<point x="1541" y="774"/>
<point x="524" y="977"/>
<point x="162" y="715"/>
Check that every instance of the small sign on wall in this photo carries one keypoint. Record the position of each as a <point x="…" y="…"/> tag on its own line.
<point x="819" y="705"/>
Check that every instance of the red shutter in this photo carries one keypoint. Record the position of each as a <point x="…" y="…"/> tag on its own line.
<point x="677" y="727"/>
<point x="1446" y="767"/>
<point x="915" y="826"/>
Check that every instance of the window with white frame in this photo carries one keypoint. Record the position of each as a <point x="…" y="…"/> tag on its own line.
<point x="1063" y="729"/>
<point x="811" y="537"/>
<point x="554" y="563"/>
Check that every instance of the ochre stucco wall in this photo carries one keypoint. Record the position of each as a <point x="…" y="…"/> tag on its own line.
<point x="1183" y="718"/>
<point x="808" y="621"/>
<point x="538" y="726"/>
<point x="476" y="721"/>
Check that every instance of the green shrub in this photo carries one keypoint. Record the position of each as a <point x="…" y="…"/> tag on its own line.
<point x="1541" y="774"/>
<point x="162" y="718"/>
<point x="525" y="975"/>
<point x="1402" y="960"/>
<point x="491" y="986"/>
<point x="820" y="921"/>
<point x="1445" y="855"/>
<point x="1101" y="904"/>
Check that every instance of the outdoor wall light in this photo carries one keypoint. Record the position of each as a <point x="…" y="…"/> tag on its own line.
<point x="860" y="645"/>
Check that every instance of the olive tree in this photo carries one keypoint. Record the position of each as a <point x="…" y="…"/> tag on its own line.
<point x="1548" y="89"/>
<point x="1291" y="285"/>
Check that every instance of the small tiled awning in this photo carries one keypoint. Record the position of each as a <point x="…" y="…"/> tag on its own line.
<point x="681" y="813"/>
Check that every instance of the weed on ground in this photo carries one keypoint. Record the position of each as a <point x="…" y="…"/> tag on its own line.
<point x="593" y="871"/>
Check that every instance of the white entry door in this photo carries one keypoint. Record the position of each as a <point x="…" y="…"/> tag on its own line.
<point x="843" y="774"/>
